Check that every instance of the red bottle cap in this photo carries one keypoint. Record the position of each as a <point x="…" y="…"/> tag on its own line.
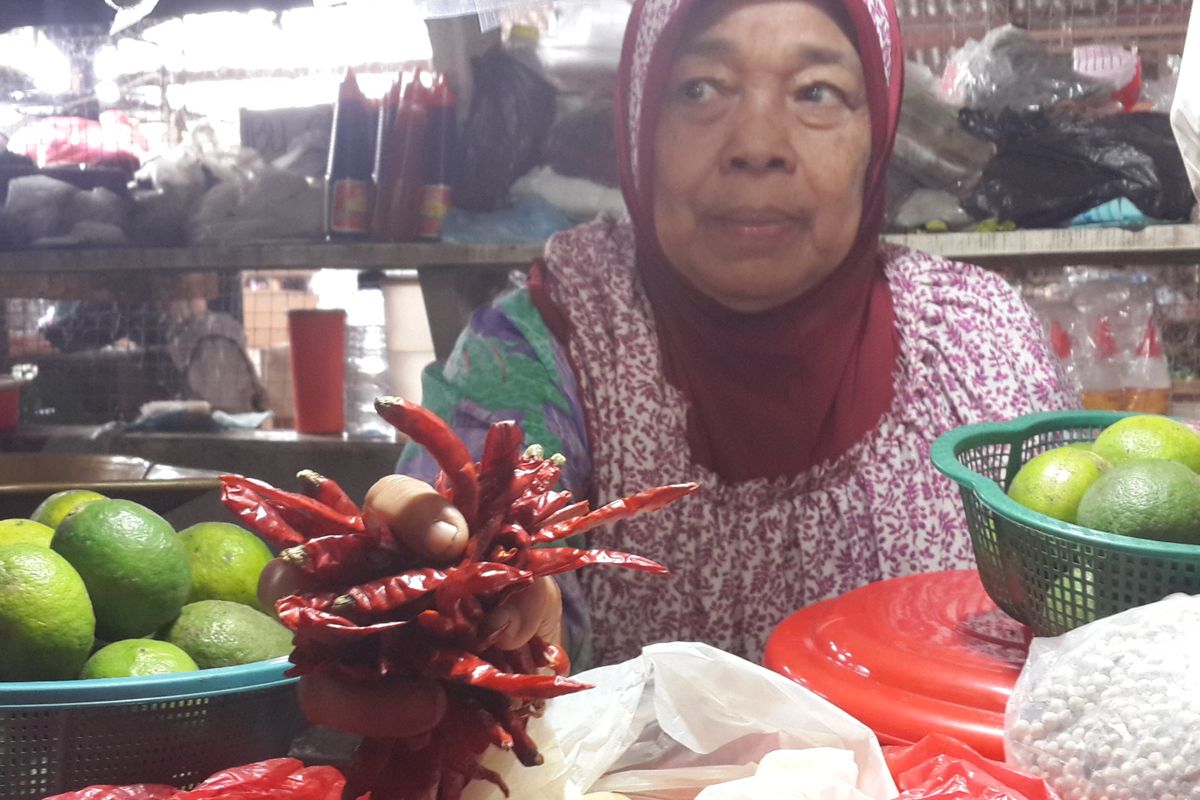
<point x="1060" y="341"/>
<point x="1150" y="347"/>
<point x="442" y="95"/>
<point x="1102" y="335"/>
<point x="349" y="91"/>
<point x="415" y="92"/>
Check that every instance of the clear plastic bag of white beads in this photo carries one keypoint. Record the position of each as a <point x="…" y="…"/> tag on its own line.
<point x="1111" y="710"/>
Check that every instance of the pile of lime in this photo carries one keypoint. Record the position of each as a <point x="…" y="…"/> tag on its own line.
<point x="1138" y="478"/>
<point x="93" y="587"/>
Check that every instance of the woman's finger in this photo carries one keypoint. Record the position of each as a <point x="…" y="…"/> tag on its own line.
<point x="420" y="517"/>
<point x="536" y="609"/>
<point x="390" y="708"/>
<point x="280" y="579"/>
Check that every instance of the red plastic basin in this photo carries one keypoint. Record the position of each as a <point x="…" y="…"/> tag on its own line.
<point x="909" y="656"/>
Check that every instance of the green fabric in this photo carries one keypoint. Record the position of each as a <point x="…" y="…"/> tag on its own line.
<point x="506" y="364"/>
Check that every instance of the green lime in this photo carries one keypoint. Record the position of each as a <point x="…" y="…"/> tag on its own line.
<point x="1147" y="437"/>
<point x="46" y="619"/>
<point x="220" y="633"/>
<point x="1053" y="482"/>
<point x="135" y="657"/>
<point x="226" y="560"/>
<point x="133" y="563"/>
<point x="25" y="531"/>
<point x="1148" y="499"/>
<point x="55" y="508"/>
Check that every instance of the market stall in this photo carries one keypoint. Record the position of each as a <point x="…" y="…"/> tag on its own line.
<point x="688" y="512"/>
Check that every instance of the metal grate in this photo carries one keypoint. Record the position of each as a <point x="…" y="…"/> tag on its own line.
<point x="933" y="29"/>
<point x="93" y="355"/>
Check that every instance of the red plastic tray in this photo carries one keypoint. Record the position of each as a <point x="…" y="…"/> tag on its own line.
<point x="909" y="656"/>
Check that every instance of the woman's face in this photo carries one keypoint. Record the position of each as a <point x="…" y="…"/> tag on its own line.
<point x="761" y="151"/>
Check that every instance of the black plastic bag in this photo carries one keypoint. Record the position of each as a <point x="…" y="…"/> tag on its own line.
<point x="1047" y="171"/>
<point x="512" y="109"/>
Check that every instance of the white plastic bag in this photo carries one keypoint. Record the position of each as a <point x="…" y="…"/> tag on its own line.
<point x="1111" y="709"/>
<point x="684" y="716"/>
<point x="1185" y="109"/>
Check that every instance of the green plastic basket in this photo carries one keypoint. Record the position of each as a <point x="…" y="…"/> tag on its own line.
<point x="177" y="729"/>
<point x="1051" y="575"/>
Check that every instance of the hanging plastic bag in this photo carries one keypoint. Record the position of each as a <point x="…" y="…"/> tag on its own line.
<point x="512" y="109"/>
<point x="1047" y="171"/>
<point x="1009" y="69"/>
<point x="943" y="768"/>
<point x="1185" y="108"/>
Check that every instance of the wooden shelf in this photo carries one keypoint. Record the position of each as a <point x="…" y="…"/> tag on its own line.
<point x="1160" y="244"/>
<point x="1163" y="244"/>
<point x="264" y="256"/>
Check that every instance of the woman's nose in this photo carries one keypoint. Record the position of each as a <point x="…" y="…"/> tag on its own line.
<point x="759" y="139"/>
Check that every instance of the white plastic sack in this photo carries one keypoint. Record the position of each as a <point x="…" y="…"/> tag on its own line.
<point x="1111" y="709"/>
<point x="1185" y="109"/>
<point x="684" y="716"/>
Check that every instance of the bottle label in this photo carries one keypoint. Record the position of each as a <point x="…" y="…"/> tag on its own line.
<point x="435" y="203"/>
<point x="350" y="211"/>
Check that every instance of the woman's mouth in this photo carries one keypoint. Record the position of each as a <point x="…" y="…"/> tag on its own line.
<point x="756" y="228"/>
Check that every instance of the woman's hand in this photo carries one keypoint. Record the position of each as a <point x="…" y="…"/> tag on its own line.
<point x="428" y="524"/>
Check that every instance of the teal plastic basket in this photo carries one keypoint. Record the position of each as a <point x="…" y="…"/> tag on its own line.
<point x="1051" y="575"/>
<point x="177" y="729"/>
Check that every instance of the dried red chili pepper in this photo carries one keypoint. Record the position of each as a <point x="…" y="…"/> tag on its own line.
<point x="626" y="507"/>
<point x="326" y="490"/>
<point x="427" y="429"/>
<point x="300" y="510"/>
<point x="384" y="613"/>
<point x="345" y="557"/>
<point x="258" y="516"/>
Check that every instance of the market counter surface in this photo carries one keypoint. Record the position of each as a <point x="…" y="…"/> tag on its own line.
<point x="272" y="456"/>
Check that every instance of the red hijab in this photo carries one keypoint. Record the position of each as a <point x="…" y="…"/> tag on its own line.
<point x="776" y="393"/>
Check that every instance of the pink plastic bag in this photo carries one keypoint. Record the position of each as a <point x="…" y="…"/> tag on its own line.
<point x="942" y="768"/>
<point x="276" y="779"/>
<point x="140" y="791"/>
<point x="112" y="141"/>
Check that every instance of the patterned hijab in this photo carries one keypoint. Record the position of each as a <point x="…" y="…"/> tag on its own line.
<point x="771" y="394"/>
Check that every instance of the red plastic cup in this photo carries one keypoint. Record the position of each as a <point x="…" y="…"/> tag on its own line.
<point x="318" y="341"/>
<point x="10" y="403"/>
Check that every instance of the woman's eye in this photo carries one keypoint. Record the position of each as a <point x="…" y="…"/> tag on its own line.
<point x="820" y="93"/>
<point x="697" y="90"/>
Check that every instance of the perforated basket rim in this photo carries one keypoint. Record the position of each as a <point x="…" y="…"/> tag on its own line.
<point x="96" y="692"/>
<point x="949" y="446"/>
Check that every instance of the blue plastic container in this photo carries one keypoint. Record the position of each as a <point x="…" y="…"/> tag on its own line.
<point x="177" y="729"/>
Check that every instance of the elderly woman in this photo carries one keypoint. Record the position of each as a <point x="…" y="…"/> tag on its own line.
<point x="744" y="329"/>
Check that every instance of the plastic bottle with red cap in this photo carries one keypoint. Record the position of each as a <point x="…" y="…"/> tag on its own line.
<point x="1064" y="351"/>
<point x="348" y="181"/>
<point x="1101" y="381"/>
<point x="401" y="164"/>
<point x="1148" y="378"/>
<point x="440" y="141"/>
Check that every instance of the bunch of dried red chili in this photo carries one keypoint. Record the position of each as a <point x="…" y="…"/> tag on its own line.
<point x="380" y="613"/>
